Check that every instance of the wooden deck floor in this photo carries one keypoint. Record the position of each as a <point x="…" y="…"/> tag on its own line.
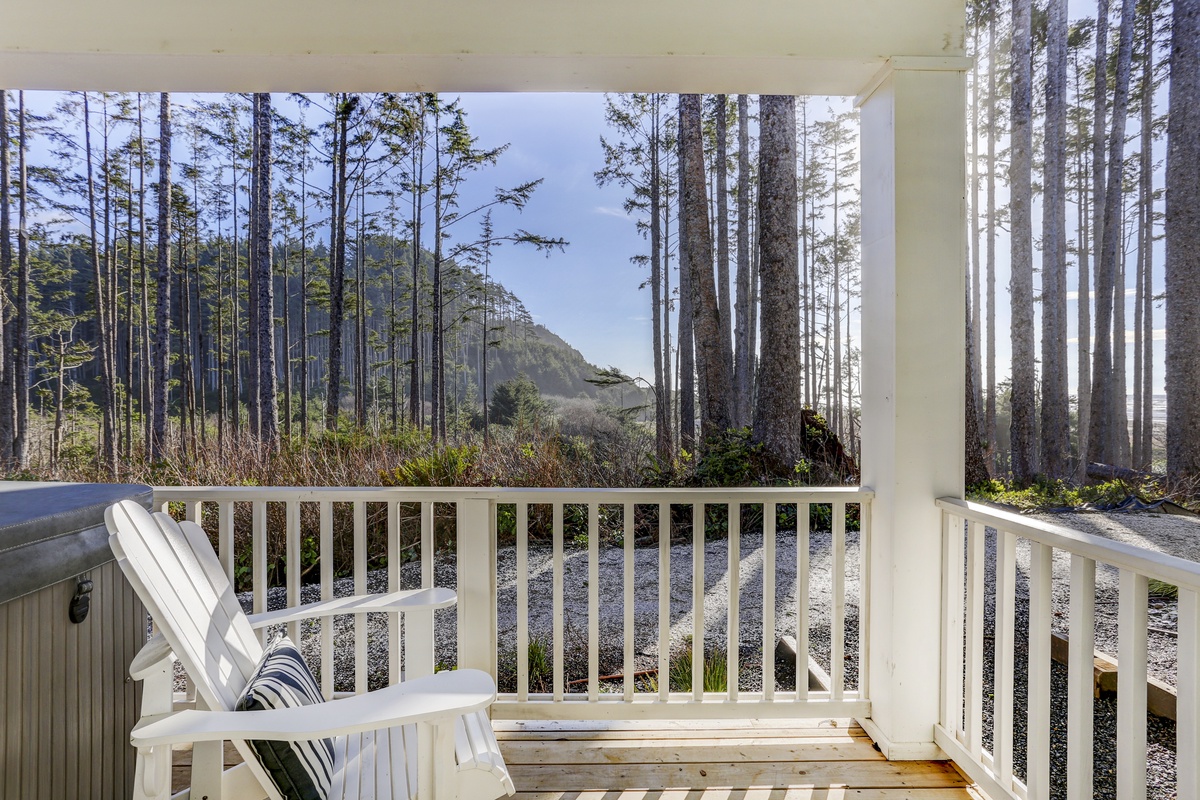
<point x="739" y="760"/>
<point x="817" y="759"/>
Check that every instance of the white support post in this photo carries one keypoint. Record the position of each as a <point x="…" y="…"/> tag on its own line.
<point x="913" y="309"/>
<point x="477" y="585"/>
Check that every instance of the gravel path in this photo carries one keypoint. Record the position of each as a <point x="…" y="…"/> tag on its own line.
<point x="646" y="619"/>
<point x="1178" y="535"/>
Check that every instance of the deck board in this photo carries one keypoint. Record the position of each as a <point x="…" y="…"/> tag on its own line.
<point x="691" y="760"/>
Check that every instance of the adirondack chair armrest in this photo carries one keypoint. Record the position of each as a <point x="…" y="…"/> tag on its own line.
<point x="149" y="659"/>
<point x="431" y="699"/>
<point x="409" y="600"/>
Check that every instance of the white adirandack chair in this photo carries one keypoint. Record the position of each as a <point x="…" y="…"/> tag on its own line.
<point x="428" y="738"/>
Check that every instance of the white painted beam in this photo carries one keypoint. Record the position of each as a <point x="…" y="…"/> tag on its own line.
<point x="762" y="46"/>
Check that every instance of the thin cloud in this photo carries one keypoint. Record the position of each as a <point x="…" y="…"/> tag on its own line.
<point x="612" y="212"/>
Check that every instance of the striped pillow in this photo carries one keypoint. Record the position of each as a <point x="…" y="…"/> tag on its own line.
<point x="300" y="770"/>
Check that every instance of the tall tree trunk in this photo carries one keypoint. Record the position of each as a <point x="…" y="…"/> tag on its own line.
<point x="743" y="357"/>
<point x="1056" y="432"/>
<point x="337" y="271"/>
<point x="21" y="441"/>
<point x="724" y="303"/>
<point x="989" y="412"/>
<point x="8" y="380"/>
<point x="662" y="418"/>
<point x="712" y="375"/>
<point x="416" y="401"/>
<point x="1084" y="304"/>
<point x="1024" y="465"/>
<point x="435" y="345"/>
<point x="162" y="307"/>
<point x="687" y="364"/>
<point x="1143" y="457"/>
<point x="304" y="307"/>
<point x="268" y="403"/>
<point x="975" y="466"/>
<point x="1183" y="246"/>
<point x="1098" y="432"/>
<point x="1109" y="412"/>
<point x="107" y="444"/>
<point x="974" y="328"/>
<point x="254" y="353"/>
<point x="778" y="422"/>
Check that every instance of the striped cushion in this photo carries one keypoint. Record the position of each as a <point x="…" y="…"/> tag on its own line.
<point x="300" y="770"/>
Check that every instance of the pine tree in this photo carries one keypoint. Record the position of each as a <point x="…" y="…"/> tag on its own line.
<point x="1056" y="439"/>
<point x="1024" y="465"/>
<point x="778" y="422"/>
<point x="162" y="312"/>
<point x="1183" y="245"/>
<point x="712" y="376"/>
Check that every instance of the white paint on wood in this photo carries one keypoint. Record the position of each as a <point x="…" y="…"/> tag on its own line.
<point x="1187" y="746"/>
<point x="974" y="635"/>
<point x="913" y="170"/>
<point x="1037" y="775"/>
<point x="1002" y="705"/>
<point x="1080" y="680"/>
<point x="1131" y="686"/>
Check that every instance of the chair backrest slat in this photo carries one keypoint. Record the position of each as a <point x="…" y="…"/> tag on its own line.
<point x="198" y="615"/>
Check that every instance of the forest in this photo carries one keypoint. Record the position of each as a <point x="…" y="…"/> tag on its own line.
<point x="186" y="279"/>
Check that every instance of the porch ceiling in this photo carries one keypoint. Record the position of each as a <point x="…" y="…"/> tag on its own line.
<point x="784" y="46"/>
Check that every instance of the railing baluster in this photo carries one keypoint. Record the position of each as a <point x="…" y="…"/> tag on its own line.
<point x="293" y="565"/>
<point x="974" y="623"/>
<point x="258" y="555"/>
<point x="768" y="621"/>
<point x="419" y="657"/>
<point x="475" y="521"/>
<point x="326" y="545"/>
<point x="952" y="623"/>
<point x="1131" y="685"/>
<point x="1002" y="705"/>
<point x="837" y="625"/>
<point x="803" y="522"/>
<point x="225" y="538"/>
<point x="735" y="575"/>
<point x="1080" y="679"/>
<point x="522" y="601"/>
<point x="593" y="602"/>
<point x="1037" y="770"/>
<point x="864" y="602"/>
<point x="664" y="601"/>
<point x="360" y="587"/>
<point x="393" y="571"/>
<point x="558" y="602"/>
<point x="1187" y="745"/>
<point x="698" y="600"/>
<point x="627" y="600"/>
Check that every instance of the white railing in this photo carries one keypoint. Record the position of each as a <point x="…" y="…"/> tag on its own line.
<point x="961" y="730"/>
<point x="275" y="515"/>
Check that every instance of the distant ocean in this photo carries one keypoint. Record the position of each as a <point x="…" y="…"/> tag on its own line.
<point x="1160" y="408"/>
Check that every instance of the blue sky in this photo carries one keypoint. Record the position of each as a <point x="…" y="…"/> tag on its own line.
<point x="588" y="294"/>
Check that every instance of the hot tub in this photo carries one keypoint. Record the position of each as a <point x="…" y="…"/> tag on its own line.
<point x="66" y="702"/>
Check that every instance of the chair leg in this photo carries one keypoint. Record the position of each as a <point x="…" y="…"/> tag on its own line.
<point x="208" y="764"/>
<point x="445" y="768"/>
<point x="152" y="773"/>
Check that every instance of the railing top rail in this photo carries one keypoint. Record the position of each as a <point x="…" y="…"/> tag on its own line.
<point x="1161" y="566"/>
<point x="811" y="494"/>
